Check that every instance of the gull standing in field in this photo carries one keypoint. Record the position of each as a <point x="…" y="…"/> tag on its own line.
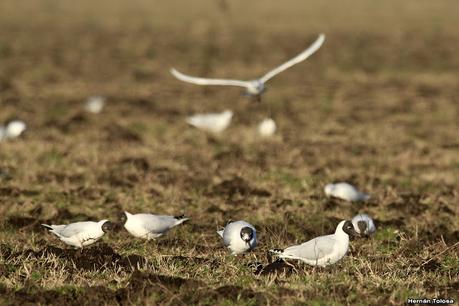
<point x="323" y="250"/>
<point x="211" y="122"/>
<point x="80" y="234"/>
<point x="363" y="225"/>
<point x="257" y="86"/>
<point x="346" y="192"/>
<point x="239" y="236"/>
<point x="12" y="129"/>
<point x="267" y="127"/>
<point x="149" y="226"/>
<point x="95" y="104"/>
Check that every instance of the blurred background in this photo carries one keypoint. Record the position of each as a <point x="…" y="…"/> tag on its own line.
<point x="376" y="106"/>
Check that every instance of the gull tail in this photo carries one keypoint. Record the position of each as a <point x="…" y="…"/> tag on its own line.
<point x="50" y="227"/>
<point x="277" y="251"/>
<point x="55" y="229"/>
<point x="220" y="232"/>
<point x="180" y="219"/>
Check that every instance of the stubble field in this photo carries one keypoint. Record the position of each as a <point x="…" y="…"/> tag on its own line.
<point x="377" y="106"/>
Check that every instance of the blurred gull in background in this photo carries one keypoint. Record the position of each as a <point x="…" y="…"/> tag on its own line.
<point x="253" y="87"/>
<point x="12" y="129"/>
<point x="95" y="104"/>
<point x="363" y="225"/>
<point x="323" y="250"/>
<point x="267" y="127"/>
<point x="212" y="122"/>
<point x="346" y="192"/>
<point x="239" y="236"/>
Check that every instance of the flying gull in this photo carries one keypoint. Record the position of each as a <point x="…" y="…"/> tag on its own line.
<point x="257" y="86"/>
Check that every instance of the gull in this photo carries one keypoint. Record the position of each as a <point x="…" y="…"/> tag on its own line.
<point x="239" y="236"/>
<point x="12" y="129"/>
<point x="267" y="127"/>
<point x="95" y="104"/>
<point x="149" y="226"/>
<point x="323" y="250"/>
<point x="80" y="234"/>
<point x="363" y="225"/>
<point x="211" y="122"/>
<point x="346" y="192"/>
<point x="257" y="86"/>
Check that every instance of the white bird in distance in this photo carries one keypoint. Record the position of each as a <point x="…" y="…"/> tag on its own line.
<point x="267" y="127"/>
<point x="211" y="122"/>
<point x="257" y="86"/>
<point x="12" y="129"/>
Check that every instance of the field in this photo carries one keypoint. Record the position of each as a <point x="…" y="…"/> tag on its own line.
<point x="377" y="106"/>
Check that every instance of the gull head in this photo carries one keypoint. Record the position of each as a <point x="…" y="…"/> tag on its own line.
<point x="347" y="227"/>
<point x="247" y="234"/>
<point x="123" y="217"/>
<point x="255" y="88"/>
<point x="106" y="226"/>
<point x="363" y="225"/>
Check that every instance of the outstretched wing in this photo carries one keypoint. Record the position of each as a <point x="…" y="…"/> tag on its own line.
<point x="204" y="81"/>
<point x="299" y="58"/>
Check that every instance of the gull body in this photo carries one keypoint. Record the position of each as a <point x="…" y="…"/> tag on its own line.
<point x="267" y="127"/>
<point x="239" y="237"/>
<point x="346" y="192"/>
<point x="323" y="250"/>
<point x="257" y="86"/>
<point x="12" y="129"/>
<point x="211" y="122"/>
<point x="149" y="226"/>
<point x="363" y="225"/>
<point x="95" y="104"/>
<point x="80" y="234"/>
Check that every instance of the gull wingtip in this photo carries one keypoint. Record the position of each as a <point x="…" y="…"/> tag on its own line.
<point x="321" y="38"/>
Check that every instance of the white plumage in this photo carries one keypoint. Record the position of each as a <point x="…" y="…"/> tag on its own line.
<point x="346" y="192"/>
<point x="80" y="234"/>
<point x="257" y="86"/>
<point x="95" y="104"/>
<point x="323" y="250"/>
<point x="212" y="122"/>
<point x="12" y="130"/>
<point x="267" y="127"/>
<point x="239" y="236"/>
<point x="149" y="226"/>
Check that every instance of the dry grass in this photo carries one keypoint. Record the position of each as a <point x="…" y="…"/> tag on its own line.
<point x="377" y="106"/>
